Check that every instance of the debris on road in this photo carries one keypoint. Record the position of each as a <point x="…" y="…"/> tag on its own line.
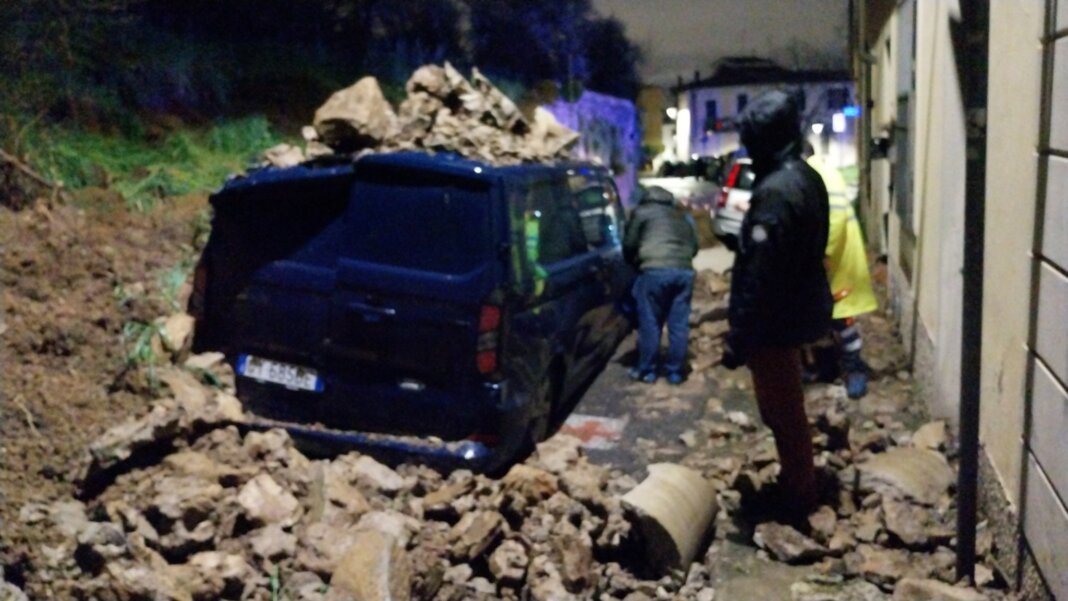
<point x="443" y="112"/>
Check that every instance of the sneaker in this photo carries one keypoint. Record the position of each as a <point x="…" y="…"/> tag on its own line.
<point x="636" y="375"/>
<point x="675" y="379"/>
<point x="856" y="384"/>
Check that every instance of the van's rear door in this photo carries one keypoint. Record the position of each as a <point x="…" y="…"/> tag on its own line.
<point x="416" y="262"/>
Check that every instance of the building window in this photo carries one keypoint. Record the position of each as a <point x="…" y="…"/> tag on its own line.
<point x="743" y="99"/>
<point x="711" y="115"/>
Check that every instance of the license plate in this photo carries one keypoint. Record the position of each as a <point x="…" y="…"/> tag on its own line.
<point x="294" y="377"/>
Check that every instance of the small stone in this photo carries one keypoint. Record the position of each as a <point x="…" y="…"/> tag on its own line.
<point x="474" y="533"/>
<point x="910" y="589"/>
<point x="375" y="568"/>
<point x="787" y="544"/>
<point x="365" y="470"/>
<point x="688" y="438"/>
<point x="265" y="502"/>
<point x="558" y="453"/>
<point x="854" y="590"/>
<point x="881" y="566"/>
<point x="272" y="542"/>
<point x="209" y="361"/>
<point x="917" y="474"/>
<point x="906" y="521"/>
<point x="823" y="522"/>
<point x="931" y="436"/>
<point x="68" y="518"/>
<point x="176" y="332"/>
<point x="508" y="562"/>
<point x="214" y="575"/>
<point x="740" y="419"/>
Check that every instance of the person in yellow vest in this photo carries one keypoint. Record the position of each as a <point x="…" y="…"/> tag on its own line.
<point x="847" y="270"/>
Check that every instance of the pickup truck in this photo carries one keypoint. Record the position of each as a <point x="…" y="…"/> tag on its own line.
<point x="413" y="303"/>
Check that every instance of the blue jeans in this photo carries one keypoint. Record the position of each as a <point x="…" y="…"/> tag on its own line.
<point x="663" y="295"/>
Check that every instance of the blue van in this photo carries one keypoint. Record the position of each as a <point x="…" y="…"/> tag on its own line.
<point x="415" y="303"/>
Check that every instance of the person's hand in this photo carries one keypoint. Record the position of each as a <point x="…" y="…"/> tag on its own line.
<point x="731" y="359"/>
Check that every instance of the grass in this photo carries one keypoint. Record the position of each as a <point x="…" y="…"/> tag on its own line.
<point x="145" y="171"/>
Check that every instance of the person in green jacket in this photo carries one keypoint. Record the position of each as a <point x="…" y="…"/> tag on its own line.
<point x="661" y="242"/>
<point x="847" y="270"/>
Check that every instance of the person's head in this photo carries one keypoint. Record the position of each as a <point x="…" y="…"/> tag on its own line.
<point x="807" y="150"/>
<point x="656" y="194"/>
<point x="769" y="125"/>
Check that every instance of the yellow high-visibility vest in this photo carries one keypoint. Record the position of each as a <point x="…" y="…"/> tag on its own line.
<point x="847" y="260"/>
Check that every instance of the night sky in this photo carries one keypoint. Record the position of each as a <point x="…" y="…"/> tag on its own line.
<point x="679" y="36"/>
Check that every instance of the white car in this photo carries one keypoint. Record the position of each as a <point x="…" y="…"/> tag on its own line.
<point x="733" y="202"/>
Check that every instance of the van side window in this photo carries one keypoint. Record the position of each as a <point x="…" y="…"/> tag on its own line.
<point x="560" y="230"/>
<point x="595" y="220"/>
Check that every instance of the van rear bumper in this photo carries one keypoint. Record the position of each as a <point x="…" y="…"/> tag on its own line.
<point x="491" y="441"/>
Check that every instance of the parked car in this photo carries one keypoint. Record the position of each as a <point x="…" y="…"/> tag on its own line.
<point x="412" y="303"/>
<point x="733" y="202"/>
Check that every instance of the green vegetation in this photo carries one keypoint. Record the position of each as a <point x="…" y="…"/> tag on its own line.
<point x="142" y="170"/>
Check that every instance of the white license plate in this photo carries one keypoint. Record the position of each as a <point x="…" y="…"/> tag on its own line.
<point x="294" y="377"/>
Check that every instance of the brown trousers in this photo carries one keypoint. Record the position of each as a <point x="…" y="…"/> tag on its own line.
<point x="777" y="383"/>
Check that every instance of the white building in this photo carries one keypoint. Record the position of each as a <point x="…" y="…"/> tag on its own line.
<point x="706" y="108"/>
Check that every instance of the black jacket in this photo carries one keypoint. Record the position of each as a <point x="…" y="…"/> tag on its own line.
<point x="659" y="235"/>
<point x="779" y="291"/>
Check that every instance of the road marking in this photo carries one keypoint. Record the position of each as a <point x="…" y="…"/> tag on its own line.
<point x="594" y="431"/>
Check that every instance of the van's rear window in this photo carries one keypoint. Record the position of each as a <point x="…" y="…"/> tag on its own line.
<point x="419" y="221"/>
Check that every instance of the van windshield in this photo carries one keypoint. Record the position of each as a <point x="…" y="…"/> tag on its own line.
<point x="427" y="222"/>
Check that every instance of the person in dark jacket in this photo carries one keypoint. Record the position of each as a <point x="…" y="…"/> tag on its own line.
<point x="660" y="242"/>
<point x="780" y="298"/>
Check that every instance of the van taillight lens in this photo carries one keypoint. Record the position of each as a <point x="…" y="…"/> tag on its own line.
<point x="489" y="339"/>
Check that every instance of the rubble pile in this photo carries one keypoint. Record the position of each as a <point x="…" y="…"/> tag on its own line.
<point x="232" y="516"/>
<point x="443" y="112"/>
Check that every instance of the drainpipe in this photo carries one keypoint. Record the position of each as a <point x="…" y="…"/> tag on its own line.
<point x="972" y="47"/>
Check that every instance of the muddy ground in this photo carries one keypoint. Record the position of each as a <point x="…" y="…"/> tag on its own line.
<point x="70" y="281"/>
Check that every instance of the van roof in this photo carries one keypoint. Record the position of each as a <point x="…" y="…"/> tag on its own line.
<point x="453" y="164"/>
<point x="447" y="163"/>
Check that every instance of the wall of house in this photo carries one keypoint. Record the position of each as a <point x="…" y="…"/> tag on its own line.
<point x="1045" y="467"/>
<point x="926" y="248"/>
<point x="883" y="112"/>
<point x="1011" y="187"/>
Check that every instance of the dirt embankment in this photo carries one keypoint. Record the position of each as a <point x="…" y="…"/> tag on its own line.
<point x="70" y="280"/>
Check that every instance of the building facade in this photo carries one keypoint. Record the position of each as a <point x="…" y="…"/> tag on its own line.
<point x="909" y="63"/>
<point x="707" y="108"/>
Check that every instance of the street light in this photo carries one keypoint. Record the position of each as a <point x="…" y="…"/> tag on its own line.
<point x="817" y="128"/>
<point x="672" y="112"/>
<point x="838" y="122"/>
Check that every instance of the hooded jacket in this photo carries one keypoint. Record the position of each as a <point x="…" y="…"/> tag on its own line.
<point x="659" y="235"/>
<point x="779" y="291"/>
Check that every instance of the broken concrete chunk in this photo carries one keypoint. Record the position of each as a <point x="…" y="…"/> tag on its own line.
<point x="786" y="544"/>
<point x="917" y="474"/>
<point x="68" y="518"/>
<point x="283" y="155"/>
<point x="854" y="590"/>
<point x="672" y="509"/>
<point x="931" y="436"/>
<point x="910" y="589"/>
<point x="375" y="568"/>
<point x="266" y="502"/>
<point x="214" y="575"/>
<point x="368" y="472"/>
<point x="823" y="523"/>
<point x="474" y="533"/>
<point x="272" y="542"/>
<point x="176" y="332"/>
<point x="558" y="453"/>
<point x="508" y="563"/>
<point x="356" y="117"/>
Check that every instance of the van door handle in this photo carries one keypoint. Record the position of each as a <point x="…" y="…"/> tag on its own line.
<point x="365" y="308"/>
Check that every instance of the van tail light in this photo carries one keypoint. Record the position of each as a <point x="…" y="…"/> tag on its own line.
<point x="732" y="179"/>
<point x="200" y="288"/>
<point x="489" y="339"/>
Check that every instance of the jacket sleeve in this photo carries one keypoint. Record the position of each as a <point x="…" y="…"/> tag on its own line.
<point x="760" y="254"/>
